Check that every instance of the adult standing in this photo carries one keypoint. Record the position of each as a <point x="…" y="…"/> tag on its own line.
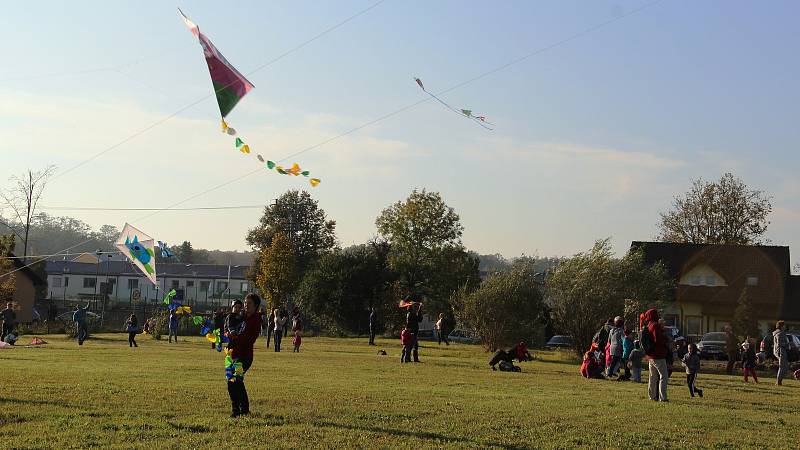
<point x="132" y="326"/>
<point x="241" y="346"/>
<point x="413" y="318"/>
<point x="780" y="346"/>
<point x="79" y="317"/>
<point x="373" y="323"/>
<point x="285" y="317"/>
<point x="280" y="323"/>
<point x="270" y="326"/>
<point x="173" y="326"/>
<point x="441" y="329"/>
<point x="9" y="317"/>
<point x="655" y="347"/>
<point x="297" y="321"/>
<point x="731" y="348"/>
<point x="615" y="336"/>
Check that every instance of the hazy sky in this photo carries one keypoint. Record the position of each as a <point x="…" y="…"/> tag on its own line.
<point x="593" y="137"/>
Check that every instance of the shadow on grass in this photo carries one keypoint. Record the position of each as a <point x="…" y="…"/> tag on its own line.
<point x="424" y="435"/>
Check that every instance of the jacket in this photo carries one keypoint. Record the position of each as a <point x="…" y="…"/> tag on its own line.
<point x="242" y="345"/>
<point x="615" y="337"/>
<point x="405" y="337"/>
<point x="413" y="319"/>
<point x="692" y="362"/>
<point x="779" y="342"/>
<point x="660" y="342"/>
<point x="749" y="358"/>
<point x="636" y="357"/>
<point x="627" y="347"/>
<point x="280" y="322"/>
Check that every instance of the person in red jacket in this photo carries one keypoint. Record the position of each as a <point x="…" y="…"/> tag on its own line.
<point x="241" y="351"/>
<point x="590" y="368"/>
<point x="657" y="355"/>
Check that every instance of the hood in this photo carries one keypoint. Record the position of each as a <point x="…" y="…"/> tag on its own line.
<point x="651" y="315"/>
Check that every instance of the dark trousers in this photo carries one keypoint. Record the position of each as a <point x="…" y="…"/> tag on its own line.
<point x="500" y="355"/>
<point x="412" y="349"/>
<point x="7" y="328"/>
<point x="240" y="402"/>
<point x="442" y="337"/>
<point x="371" y="335"/>
<point x="690" y="379"/>
<point x="732" y="357"/>
<point x="615" y="363"/>
<point x="132" y="339"/>
<point x="82" y="333"/>
<point x="269" y="335"/>
<point x="278" y="339"/>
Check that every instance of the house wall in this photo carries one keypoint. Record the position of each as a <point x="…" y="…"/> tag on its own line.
<point x="24" y="297"/>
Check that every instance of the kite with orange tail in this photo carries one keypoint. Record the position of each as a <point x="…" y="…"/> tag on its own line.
<point x="230" y="86"/>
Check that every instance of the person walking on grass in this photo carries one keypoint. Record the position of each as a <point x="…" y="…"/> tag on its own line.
<point x="655" y="345"/>
<point x="691" y="361"/>
<point x="132" y="326"/>
<point x="731" y="348"/>
<point x="280" y="323"/>
<point x="9" y="317"/>
<point x="173" y="326"/>
<point x="270" y="326"/>
<point x="240" y="353"/>
<point x="749" y="360"/>
<point x="780" y="347"/>
<point x="413" y="318"/>
<point x="79" y="317"/>
<point x="373" y="324"/>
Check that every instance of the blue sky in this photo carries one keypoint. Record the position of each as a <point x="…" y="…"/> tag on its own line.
<point x="593" y="137"/>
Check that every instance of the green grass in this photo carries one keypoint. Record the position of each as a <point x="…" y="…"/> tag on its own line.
<point x="339" y="393"/>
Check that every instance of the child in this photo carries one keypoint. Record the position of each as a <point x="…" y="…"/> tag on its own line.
<point x="406" y="338"/>
<point x="234" y="321"/>
<point x="691" y="361"/>
<point x="749" y="361"/>
<point x="296" y="341"/>
<point x="590" y="368"/>
<point x="635" y="360"/>
<point x="627" y="348"/>
<point x="132" y="326"/>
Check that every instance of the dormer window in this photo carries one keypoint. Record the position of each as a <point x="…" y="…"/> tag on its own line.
<point x="702" y="275"/>
<point x="752" y="281"/>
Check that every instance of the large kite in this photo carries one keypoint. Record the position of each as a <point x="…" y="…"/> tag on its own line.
<point x="139" y="248"/>
<point x="229" y="87"/>
<point x="480" y="120"/>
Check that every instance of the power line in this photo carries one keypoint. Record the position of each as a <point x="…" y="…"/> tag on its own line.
<point x="398" y="111"/>
<point x="197" y="208"/>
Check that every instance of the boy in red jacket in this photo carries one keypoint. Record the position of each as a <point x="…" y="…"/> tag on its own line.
<point x="657" y="356"/>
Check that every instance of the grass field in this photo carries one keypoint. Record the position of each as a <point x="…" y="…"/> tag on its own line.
<point x="339" y="393"/>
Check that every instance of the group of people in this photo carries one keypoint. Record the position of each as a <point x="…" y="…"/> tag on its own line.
<point x="278" y="325"/>
<point x="613" y="348"/>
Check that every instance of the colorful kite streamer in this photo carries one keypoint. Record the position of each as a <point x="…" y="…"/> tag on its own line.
<point x="230" y="86"/>
<point x="480" y="120"/>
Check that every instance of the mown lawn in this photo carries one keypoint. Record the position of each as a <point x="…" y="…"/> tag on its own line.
<point x="340" y="393"/>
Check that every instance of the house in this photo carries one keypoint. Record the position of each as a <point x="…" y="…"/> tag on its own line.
<point x="710" y="279"/>
<point x="120" y="282"/>
<point x="26" y="281"/>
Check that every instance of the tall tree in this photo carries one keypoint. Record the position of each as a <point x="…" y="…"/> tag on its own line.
<point x="7" y="282"/>
<point x="722" y="212"/>
<point x="426" y="250"/>
<point x="745" y="317"/>
<point x="298" y="217"/>
<point x="186" y="252"/>
<point x="23" y="198"/>
<point x="590" y="287"/>
<point x="276" y="274"/>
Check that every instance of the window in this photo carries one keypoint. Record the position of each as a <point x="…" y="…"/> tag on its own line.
<point x="752" y="281"/>
<point x="66" y="281"/>
<point x="695" y="280"/>
<point x="133" y="283"/>
<point x="204" y="286"/>
<point x="711" y="280"/>
<point x="245" y="287"/>
<point x="222" y="286"/>
<point x="671" y="320"/>
<point x="694" y="325"/>
<point x="89" y="282"/>
<point x="56" y="282"/>
<point x="189" y="284"/>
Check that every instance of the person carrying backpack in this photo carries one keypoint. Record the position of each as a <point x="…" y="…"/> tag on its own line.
<point x="654" y="344"/>
<point x="601" y="339"/>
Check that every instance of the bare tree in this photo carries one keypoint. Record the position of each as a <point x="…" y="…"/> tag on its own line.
<point x="722" y="212"/>
<point x="23" y="197"/>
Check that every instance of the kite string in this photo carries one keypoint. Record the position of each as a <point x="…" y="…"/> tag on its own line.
<point x="388" y="115"/>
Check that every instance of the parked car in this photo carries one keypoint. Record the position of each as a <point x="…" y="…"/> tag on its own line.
<point x="767" y="345"/>
<point x="712" y="345"/>
<point x="464" y="336"/>
<point x="559" y="341"/>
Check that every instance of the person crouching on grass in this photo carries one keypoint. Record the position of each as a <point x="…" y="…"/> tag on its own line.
<point x="240" y="355"/>
<point x="691" y="361"/>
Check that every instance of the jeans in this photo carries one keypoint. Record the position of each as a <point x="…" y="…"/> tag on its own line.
<point x="690" y="379"/>
<point x="371" y="335"/>
<point x="657" y="384"/>
<point x="637" y="373"/>
<point x="7" y="328"/>
<point x="240" y="402"/>
<point x="132" y="339"/>
<point x="269" y="336"/>
<point x="783" y="365"/>
<point x="173" y="332"/>
<point x="732" y="358"/>
<point x="442" y="337"/>
<point x="278" y="339"/>
<point x="81" y="333"/>
<point x="614" y="366"/>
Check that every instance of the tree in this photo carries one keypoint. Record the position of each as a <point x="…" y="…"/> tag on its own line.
<point x="745" y="317"/>
<point x="590" y="287"/>
<point x="426" y="250"/>
<point x="7" y="282"/>
<point x="506" y="308"/>
<point x="276" y="274"/>
<point x="341" y="286"/>
<point x="23" y="198"/>
<point x="185" y="252"/>
<point x="722" y="212"/>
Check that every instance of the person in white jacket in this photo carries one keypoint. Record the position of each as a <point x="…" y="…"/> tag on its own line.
<point x="280" y="322"/>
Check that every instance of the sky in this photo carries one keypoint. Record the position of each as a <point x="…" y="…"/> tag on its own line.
<point x="593" y="137"/>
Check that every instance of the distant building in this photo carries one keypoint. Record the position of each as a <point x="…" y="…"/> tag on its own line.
<point x="26" y="282"/>
<point x="121" y="283"/>
<point x="711" y="278"/>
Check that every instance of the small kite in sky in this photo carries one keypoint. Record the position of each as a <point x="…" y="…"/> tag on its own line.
<point x="230" y="86"/>
<point x="139" y="248"/>
<point x="480" y="120"/>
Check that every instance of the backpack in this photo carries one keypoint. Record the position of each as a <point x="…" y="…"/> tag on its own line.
<point x="506" y="366"/>
<point x="647" y="342"/>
